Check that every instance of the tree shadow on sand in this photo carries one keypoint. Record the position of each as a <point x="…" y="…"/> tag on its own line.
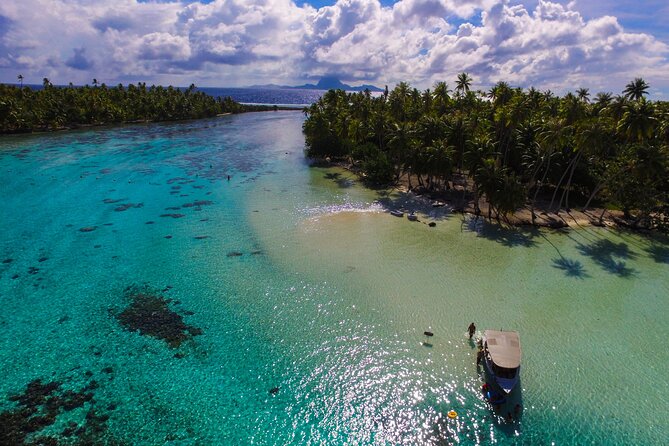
<point x="607" y="254"/>
<point x="341" y="181"/>
<point x="571" y="268"/>
<point x="660" y="254"/>
<point x="497" y="233"/>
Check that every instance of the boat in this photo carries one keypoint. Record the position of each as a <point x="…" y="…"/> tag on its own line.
<point x="397" y="213"/>
<point x="412" y="217"/>
<point x="501" y="354"/>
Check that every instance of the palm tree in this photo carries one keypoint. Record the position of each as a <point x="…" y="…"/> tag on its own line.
<point x="583" y="94"/>
<point x="638" y="121"/>
<point x="20" y="78"/>
<point x="636" y="89"/>
<point x="95" y="82"/>
<point x="463" y="83"/>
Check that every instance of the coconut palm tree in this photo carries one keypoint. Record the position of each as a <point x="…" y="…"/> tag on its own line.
<point x="636" y="89"/>
<point x="463" y="83"/>
<point x="638" y="121"/>
<point x="583" y="94"/>
<point x="20" y="78"/>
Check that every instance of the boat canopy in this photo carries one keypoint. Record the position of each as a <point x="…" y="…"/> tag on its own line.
<point x="504" y="348"/>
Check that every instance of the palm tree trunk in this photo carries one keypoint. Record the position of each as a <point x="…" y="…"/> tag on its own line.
<point x="592" y="195"/>
<point x="565" y="193"/>
<point x="557" y="186"/>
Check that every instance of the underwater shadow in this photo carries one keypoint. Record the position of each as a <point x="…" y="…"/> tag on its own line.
<point x="659" y="254"/>
<point x="497" y="233"/>
<point x="341" y="181"/>
<point x="604" y="253"/>
<point x="571" y="268"/>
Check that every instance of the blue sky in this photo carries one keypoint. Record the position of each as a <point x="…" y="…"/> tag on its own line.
<point x="559" y="45"/>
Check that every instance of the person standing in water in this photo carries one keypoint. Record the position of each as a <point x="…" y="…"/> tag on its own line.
<point x="472" y="330"/>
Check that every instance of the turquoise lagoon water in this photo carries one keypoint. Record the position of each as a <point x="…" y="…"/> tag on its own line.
<point x="311" y="299"/>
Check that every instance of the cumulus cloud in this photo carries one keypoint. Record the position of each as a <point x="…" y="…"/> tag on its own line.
<point x="240" y="42"/>
<point x="79" y="61"/>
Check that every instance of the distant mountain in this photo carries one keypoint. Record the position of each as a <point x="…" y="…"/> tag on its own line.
<point x="326" y="83"/>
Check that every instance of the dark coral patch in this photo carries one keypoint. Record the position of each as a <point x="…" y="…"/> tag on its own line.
<point x="15" y="276"/>
<point x="38" y="407"/>
<point x="42" y="259"/>
<point x="173" y="215"/>
<point x="33" y="270"/>
<point x="201" y="237"/>
<point x="168" y="237"/>
<point x="8" y="261"/>
<point x="149" y="222"/>
<point x="173" y="208"/>
<point x="126" y="206"/>
<point x="150" y="314"/>
<point x="88" y="229"/>
<point x="234" y="254"/>
<point x="198" y="204"/>
<point x="112" y="201"/>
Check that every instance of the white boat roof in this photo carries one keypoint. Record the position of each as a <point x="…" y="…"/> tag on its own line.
<point x="504" y="348"/>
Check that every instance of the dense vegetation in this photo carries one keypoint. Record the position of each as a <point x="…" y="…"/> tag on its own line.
<point x="23" y="109"/>
<point x="507" y="145"/>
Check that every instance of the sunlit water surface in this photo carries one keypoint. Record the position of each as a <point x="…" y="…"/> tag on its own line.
<point x="311" y="298"/>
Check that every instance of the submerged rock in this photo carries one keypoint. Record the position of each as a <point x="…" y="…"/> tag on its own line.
<point x="150" y="314"/>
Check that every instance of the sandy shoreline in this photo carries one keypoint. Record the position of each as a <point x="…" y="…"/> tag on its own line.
<point x="453" y="199"/>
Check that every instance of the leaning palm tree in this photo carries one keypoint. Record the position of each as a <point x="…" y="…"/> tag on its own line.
<point x="463" y="83"/>
<point x="636" y="89"/>
<point x="20" y="78"/>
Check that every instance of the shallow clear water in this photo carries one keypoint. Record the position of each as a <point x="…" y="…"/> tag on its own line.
<point x="325" y="306"/>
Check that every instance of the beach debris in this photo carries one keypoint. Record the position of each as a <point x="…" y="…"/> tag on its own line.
<point x="150" y="314"/>
<point x="426" y="342"/>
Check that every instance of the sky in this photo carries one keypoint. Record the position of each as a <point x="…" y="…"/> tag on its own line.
<point x="560" y="45"/>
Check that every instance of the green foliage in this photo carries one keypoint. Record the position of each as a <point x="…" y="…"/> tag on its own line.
<point x="511" y="144"/>
<point x="23" y="109"/>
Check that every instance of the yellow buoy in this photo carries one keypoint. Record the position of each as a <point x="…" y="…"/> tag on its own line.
<point x="452" y="414"/>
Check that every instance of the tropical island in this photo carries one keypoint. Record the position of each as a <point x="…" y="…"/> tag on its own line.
<point x="507" y="149"/>
<point x="24" y="109"/>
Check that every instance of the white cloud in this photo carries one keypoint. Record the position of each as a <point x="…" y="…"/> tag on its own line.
<point x="240" y="42"/>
